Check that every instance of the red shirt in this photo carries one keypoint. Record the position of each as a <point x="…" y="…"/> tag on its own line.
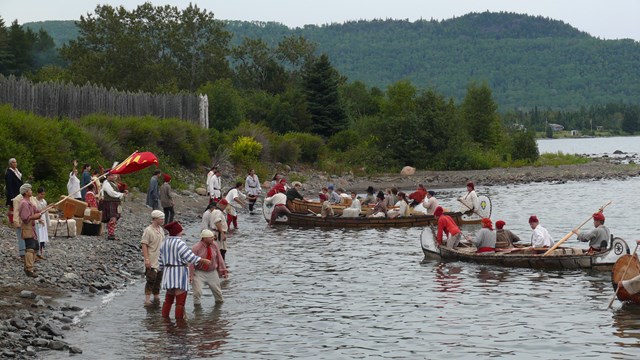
<point x="217" y="263"/>
<point x="418" y="195"/>
<point x="448" y="226"/>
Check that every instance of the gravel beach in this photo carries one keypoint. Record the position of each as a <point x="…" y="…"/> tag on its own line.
<point x="34" y="314"/>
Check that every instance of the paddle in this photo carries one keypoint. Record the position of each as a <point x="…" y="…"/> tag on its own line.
<point x="623" y="275"/>
<point x="566" y="237"/>
<point x="467" y="206"/>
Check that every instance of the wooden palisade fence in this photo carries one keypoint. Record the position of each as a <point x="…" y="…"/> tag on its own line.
<point x="58" y="100"/>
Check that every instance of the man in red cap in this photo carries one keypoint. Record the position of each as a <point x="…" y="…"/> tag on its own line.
<point x="485" y="240"/>
<point x="598" y="238"/>
<point x="166" y="199"/>
<point x="540" y="237"/>
<point x="447" y="226"/>
<point x="504" y="238"/>
<point x="279" y="203"/>
<point x="175" y="255"/>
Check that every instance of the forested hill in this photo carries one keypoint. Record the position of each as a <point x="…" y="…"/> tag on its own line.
<point x="527" y="61"/>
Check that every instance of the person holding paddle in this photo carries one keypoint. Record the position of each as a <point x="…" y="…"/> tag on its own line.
<point x="540" y="238"/>
<point x="470" y="202"/>
<point x="598" y="238"/>
<point x="632" y="286"/>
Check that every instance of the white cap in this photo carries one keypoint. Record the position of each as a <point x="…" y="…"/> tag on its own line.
<point x="157" y="214"/>
<point x="206" y="233"/>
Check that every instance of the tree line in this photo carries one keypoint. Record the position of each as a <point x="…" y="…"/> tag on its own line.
<point x="288" y="97"/>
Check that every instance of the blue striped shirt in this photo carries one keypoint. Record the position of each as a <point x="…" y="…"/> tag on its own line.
<point x="174" y="251"/>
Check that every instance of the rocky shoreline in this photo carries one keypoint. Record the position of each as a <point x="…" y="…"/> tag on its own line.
<point x="36" y="312"/>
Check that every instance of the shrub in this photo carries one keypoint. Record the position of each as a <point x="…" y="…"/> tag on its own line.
<point x="245" y="150"/>
<point x="311" y="146"/>
<point x="286" y="151"/>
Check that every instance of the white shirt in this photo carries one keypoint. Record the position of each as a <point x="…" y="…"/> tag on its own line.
<point x="252" y="185"/>
<point x="107" y="188"/>
<point x="73" y="185"/>
<point x="277" y="199"/>
<point x="541" y="237"/>
<point x="232" y="195"/>
<point x="471" y="201"/>
<point x="213" y="186"/>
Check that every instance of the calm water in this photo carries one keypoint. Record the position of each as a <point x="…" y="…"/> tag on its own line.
<point x="591" y="146"/>
<point x="333" y="294"/>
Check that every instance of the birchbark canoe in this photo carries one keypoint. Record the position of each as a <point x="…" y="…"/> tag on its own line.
<point x="563" y="258"/>
<point x="626" y="268"/>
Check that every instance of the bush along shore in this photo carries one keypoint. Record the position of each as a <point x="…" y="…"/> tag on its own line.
<point x="36" y="312"/>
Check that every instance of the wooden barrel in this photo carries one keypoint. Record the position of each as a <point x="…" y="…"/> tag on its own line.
<point x="627" y="267"/>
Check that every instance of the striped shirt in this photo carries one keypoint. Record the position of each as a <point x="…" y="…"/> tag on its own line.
<point x="174" y="257"/>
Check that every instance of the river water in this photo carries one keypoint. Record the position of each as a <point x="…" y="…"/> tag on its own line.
<point x="345" y="294"/>
<point x="591" y="146"/>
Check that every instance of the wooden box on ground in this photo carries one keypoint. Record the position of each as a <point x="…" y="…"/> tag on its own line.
<point x="79" y="206"/>
<point x="62" y="227"/>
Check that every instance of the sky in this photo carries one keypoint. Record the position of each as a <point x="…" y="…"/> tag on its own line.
<point x="613" y="19"/>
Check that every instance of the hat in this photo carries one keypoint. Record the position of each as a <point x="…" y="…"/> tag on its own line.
<point x="296" y="183"/>
<point x="206" y="233"/>
<point x="438" y="211"/>
<point x="157" y="214"/>
<point x="500" y="224"/>
<point x="533" y="218"/>
<point x="24" y="188"/>
<point x="431" y="192"/>
<point x="223" y="202"/>
<point x="283" y="181"/>
<point x="599" y="216"/>
<point x="166" y="177"/>
<point x="330" y="187"/>
<point x="380" y="195"/>
<point x="486" y="222"/>
<point x="174" y="228"/>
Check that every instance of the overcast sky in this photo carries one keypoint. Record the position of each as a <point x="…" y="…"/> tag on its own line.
<point x="613" y="19"/>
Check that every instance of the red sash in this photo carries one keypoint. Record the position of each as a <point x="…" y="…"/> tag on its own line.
<point x="486" y="249"/>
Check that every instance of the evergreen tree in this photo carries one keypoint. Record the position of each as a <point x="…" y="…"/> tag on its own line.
<point x="480" y="116"/>
<point x="631" y="121"/>
<point x="323" y="101"/>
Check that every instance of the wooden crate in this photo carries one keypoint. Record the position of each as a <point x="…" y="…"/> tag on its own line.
<point x="79" y="206"/>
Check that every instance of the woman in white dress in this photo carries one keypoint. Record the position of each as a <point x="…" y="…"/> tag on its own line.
<point x="354" y="209"/>
<point x="42" y="225"/>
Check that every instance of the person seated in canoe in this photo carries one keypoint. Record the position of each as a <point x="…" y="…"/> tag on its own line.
<point x="324" y="194"/>
<point x="418" y="196"/>
<point x="345" y="198"/>
<point x="632" y="286"/>
<point x="392" y="198"/>
<point x="334" y="197"/>
<point x="354" y="209"/>
<point x="370" y="198"/>
<point x="505" y="239"/>
<point x="430" y="202"/>
<point x="469" y="202"/>
<point x="598" y="238"/>
<point x="294" y="192"/>
<point x="540" y="238"/>
<point x="380" y="209"/>
<point x="485" y="240"/>
<point x="403" y="209"/>
<point x="447" y="226"/>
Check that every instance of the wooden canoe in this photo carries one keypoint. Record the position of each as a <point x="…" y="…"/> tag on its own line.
<point x="314" y="207"/>
<point x="563" y="258"/>
<point x="626" y="268"/>
<point x="310" y="220"/>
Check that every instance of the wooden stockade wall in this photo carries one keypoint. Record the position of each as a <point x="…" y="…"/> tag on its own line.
<point x="58" y="100"/>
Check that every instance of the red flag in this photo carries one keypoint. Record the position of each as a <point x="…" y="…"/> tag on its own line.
<point x="136" y="161"/>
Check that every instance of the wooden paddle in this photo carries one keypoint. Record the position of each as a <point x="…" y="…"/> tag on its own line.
<point x="467" y="206"/>
<point x="566" y="237"/>
<point x="613" y="298"/>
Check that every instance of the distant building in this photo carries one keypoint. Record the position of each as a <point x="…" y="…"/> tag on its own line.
<point x="556" y="127"/>
<point x="599" y="128"/>
<point x="575" y="133"/>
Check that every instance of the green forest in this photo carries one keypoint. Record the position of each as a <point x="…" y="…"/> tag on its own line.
<point x="295" y="97"/>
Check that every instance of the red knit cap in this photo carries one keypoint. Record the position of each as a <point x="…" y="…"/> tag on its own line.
<point x="174" y="228"/>
<point x="486" y="222"/>
<point x="500" y="224"/>
<point x="223" y="202"/>
<point x="599" y="216"/>
<point x="533" y="218"/>
<point x="438" y="211"/>
<point x="166" y="177"/>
